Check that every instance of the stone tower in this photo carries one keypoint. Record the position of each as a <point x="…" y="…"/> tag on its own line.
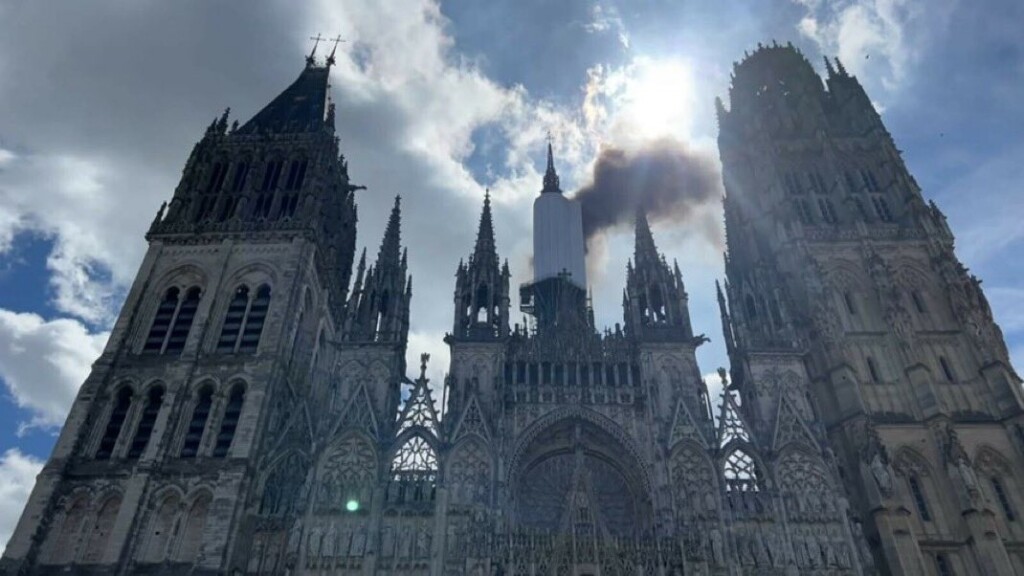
<point x="189" y="444"/>
<point x="847" y="305"/>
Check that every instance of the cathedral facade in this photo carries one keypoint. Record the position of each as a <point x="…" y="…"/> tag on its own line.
<point x="252" y="414"/>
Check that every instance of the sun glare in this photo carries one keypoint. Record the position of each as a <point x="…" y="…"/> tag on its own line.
<point x="657" y="98"/>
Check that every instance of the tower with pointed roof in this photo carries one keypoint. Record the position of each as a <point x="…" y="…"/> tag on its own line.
<point x="853" y="328"/>
<point x="189" y="446"/>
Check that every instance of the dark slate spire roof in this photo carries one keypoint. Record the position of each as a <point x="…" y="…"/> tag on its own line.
<point x="551" y="183"/>
<point x="644" y="250"/>
<point x="485" y="251"/>
<point x="302" y="107"/>
<point x="390" y="247"/>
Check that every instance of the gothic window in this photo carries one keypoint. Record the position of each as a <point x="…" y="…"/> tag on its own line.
<point x="182" y="322"/>
<point x="348" y="476"/>
<point x="947" y="370"/>
<point x="243" y="322"/>
<point x="216" y="180"/>
<point x="241" y="172"/>
<point x="161" y="529"/>
<point x="881" y="208"/>
<point x="282" y="485"/>
<point x="162" y="321"/>
<point x="71" y="529"/>
<point x="419" y="410"/>
<point x="272" y="175"/>
<point x="868" y="178"/>
<point x="859" y="203"/>
<point x="1004" y="501"/>
<point x="191" y="538"/>
<point x="919" y="500"/>
<point x="792" y="184"/>
<point x="261" y="209"/>
<point x="773" y="306"/>
<point x="751" y="307"/>
<point x="197" y="425"/>
<point x="803" y="211"/>
<point x="741" y="473"/>
<point x="873" y="370"/>
<point x="828" y="213"/>
<point x="481" y="304"/>
<point x="851" y="184"/>
<point x="118" y="414"/>
<point x="99" y="534"/>
<point x="228" y="424"/>
<point x="289" y="204"/>
<point x="851" y="307"/>
<point x="693" y="480"/>
<point x="227" y="208"/>
<point x="469" y="475"/>
<point x="233" y="320"/>
<point x="172" y="322"/>
<point x="919" y="305"/>
<point x="817" y="182"/>
<point x="296" y="174"/>
<point x="145" y="429"/>
<point x="942" y="565"/>
<point x="413" y="472"/>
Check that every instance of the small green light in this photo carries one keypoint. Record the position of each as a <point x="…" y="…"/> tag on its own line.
<point x="352" y="505"/>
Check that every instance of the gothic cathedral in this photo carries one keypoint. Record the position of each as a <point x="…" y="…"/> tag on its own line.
<point x="252" y="414"/>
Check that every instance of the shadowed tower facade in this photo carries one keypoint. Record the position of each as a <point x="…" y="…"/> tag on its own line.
<point x="844" y="292"/>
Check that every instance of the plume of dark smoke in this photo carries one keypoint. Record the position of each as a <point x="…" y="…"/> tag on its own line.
<point x="665" y="178"/>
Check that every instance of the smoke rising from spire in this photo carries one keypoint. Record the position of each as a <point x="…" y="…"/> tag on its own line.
<point x="666" y="178"/>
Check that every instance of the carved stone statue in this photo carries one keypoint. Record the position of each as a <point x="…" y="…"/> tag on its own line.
<point x="717" y="546"/>
<point x="882" y="473"/>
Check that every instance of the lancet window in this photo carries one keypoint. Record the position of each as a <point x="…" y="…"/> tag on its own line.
<point x="919" y="499"/>
<point x="241" y="173"/>
<point x="243" y="322"/>
<point x="114" y="424"/>
<point x="1004" y="500"/>
<point x="881" y="208"/>
<point x="873" y="370"/>
<point x="229" y="423"/>
<point x="144" y="431"/>
<point x="947" y="370"/>
<point x="172" y="321"/>
<point x="197" y="425"/>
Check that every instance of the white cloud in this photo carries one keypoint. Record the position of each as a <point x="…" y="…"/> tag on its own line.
<point x="884" y="37"/>
<point x="606" y="18"/>
<point x="71" y="199"/>
<point x="17" y="476"/>
<point x="43" y="363"/>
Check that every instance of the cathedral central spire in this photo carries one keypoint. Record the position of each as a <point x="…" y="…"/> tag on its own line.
<point x="551" y="182"/>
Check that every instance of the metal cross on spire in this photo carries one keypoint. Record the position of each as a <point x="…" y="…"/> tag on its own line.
<point x="316" y="42"/>
<point x="336" y="40"/>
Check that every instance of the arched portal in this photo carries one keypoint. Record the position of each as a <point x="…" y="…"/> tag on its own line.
<point x="576" y="479"/>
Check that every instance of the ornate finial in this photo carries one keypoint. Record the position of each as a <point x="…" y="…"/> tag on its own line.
<point x="330" y="57"/>
<point x="222" y="123"/>
<point x="316" y="41"/>
<point x="829" y="68"/>
<point x="839" y="67"/>
<point x="424" y="358"/>
<point x="551" y="182"/>
<point x="722" y="376"/>
<point x="159" y="217"/>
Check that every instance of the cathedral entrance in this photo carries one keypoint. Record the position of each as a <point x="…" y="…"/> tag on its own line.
<point x="579" y="498"/>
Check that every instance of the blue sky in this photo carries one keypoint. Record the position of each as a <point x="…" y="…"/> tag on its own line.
<point x="101" y="103"/>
